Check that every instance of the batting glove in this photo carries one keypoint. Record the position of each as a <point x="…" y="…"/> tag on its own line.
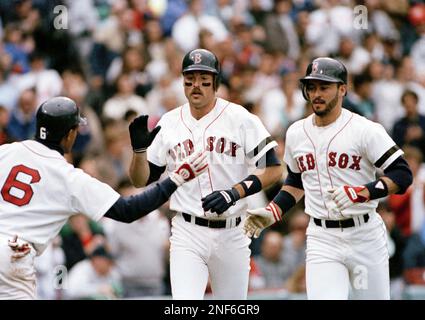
<point x="259" y="219"/>
<point x="20" y="250"/>
<point x="141" y="137"/>
<point x="194" y="165"/>
<point x="220" y="201"/>
<point x="346" y="196"/>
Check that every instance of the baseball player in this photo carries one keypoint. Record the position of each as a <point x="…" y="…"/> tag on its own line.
<point x="207" y="238"/>
<point x="40" y="190"/>
<point x="332" y="157"/>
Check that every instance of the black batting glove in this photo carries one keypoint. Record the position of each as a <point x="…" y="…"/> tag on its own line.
<point x="220" y="201"/>
<point x="141" y="137"/>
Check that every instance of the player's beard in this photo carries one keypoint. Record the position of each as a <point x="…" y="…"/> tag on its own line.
<point x="329" y="107"/>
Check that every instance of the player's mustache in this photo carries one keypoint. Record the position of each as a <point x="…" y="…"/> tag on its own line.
<point x="318" y="101"/>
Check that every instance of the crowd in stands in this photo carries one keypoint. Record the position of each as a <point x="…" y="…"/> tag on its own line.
<point x="121" y="58"/>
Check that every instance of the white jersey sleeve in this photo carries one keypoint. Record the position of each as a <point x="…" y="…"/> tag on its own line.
<point x="257" y="140"/>
<point x="90" y="196"/>
<point x="291" y="138"/>
<point x="380" y="148"/>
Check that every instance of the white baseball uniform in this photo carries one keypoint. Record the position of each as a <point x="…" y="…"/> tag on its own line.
<point x="40" y="190"/>
<point x="235" y="139"/>
<point x="346" y="152"/>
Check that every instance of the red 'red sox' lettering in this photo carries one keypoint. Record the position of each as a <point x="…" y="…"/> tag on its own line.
<point x="343" y="161"/>
<point x="219" y="145"/>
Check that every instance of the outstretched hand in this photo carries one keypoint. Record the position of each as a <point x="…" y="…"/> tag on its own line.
<point x="141" y="137"/>
<point x="259" y="219"/>
<point x="194" y="165"/>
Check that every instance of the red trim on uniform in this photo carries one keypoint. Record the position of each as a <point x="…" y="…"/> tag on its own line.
<point x="39" y="154"/>
<point x="203" y="138"/>
<point x="193" y="138"/>
<point x="317" y="164"/>
<point x="327" y="152"/>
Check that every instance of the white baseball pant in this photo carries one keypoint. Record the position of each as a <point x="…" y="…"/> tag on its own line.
<point x="349" y="262"/>
<point x="17" y="278"/>
<point x="197" y="252"/>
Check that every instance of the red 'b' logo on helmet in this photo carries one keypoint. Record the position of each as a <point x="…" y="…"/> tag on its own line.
<point x="315" y="67"/>
<point x="197" y="58"/>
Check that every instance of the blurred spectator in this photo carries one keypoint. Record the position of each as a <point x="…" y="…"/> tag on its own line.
<point x="284" y="105"/>
<point x="4" y="120"/>
<point x="263" y="79"/>
<point x="409" y="207"/>
<point x="410" y="130"/>
<point x="8" y="92"/>
<point x="84" y="19"/>
<point x="379" y="21"/>
<point x="50" y="270"/>
<point x="80" y="236"/>
<point x="141" y="251"/>
<point x="396" y="244"/>
<point x="100" y="167"/>
<point x="124" y="99"/>
<point x="22" y="119"/>
<point x="280" y="29"/>
<point x="294" y="243"/>
<point x="132" y="63"/>
<point x="354" y="57"/>
<point x="90" y="137"/>
<point x="326" y="25"/>
<point x="407" y="75"/>
<point x="185" y="31"/>
<point x="414" y="258"/>
<point x="164" y="97"/>
<point x="359" y="99"/>
<point x="95" y="277"/>
<point x="270" y="264"/>
<point x="17" y="47"/>
<point x="386" y="94"/>
<point x="417" y="18"/>
<point x="118" y="149"/>
<point x="296" y="283"/>
<point x="47" y="82"/>
<point x="112" y="36"/>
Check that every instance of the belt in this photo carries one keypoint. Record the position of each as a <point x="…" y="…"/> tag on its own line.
<point x="216" y="224"/>
<point x="347" y="223"/>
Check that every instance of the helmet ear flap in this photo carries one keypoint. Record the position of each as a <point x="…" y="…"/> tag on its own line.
<point x="304" y="91"/>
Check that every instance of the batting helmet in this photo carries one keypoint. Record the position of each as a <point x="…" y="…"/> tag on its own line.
<point x="324" y="69"/>
<point x="202" y="60"/>
<point x="55" y="117"/>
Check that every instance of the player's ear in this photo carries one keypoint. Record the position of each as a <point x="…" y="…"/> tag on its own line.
<point x="342" y="89"/>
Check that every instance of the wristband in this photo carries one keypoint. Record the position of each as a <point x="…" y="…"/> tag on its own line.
<point x="377" y="189"/>
<point x="251" y="185"/>
<point x="284" y="200"/>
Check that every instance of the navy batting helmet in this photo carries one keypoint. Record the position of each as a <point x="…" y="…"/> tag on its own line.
<point x="55" y="117"/>
<point x="324" y="69"/>
<point x="202" y="60"/>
